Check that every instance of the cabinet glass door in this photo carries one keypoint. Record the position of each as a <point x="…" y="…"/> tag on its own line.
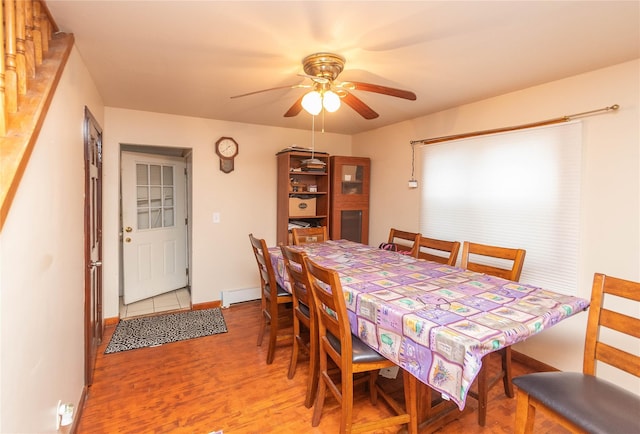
<point x="352" y="178"/>
<point x="351" y="225"/>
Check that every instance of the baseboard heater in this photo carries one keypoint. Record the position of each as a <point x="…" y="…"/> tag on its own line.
<point x="239" y="295"/>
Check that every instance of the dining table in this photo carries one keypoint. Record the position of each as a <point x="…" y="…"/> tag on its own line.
<point x="435" y="321"/>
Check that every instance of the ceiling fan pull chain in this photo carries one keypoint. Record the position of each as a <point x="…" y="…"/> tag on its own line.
<point x="313" y="136"/>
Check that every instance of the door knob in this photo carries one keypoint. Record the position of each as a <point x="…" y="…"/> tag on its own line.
<point x="127" y="240"/>
<point x="95" y="264"/>
<point x="128" y="229"/>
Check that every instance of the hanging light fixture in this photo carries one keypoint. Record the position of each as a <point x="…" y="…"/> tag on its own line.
<point x="314" y="101"/>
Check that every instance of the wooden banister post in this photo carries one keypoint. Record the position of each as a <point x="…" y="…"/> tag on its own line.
<point x="10" y="75"/>
<point x="3" y="106"/>
<point x="37" y="33"/>
<point x="45" y="29"/>
<point x="29" y="46"/>
<point x="21" y="67"/>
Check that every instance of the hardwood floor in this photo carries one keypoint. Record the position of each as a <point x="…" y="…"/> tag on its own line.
<point x="222" y="382"/>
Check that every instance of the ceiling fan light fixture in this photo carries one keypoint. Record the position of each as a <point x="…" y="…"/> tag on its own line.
<point x="330" y="101"/>
<point x="312" y="102"/>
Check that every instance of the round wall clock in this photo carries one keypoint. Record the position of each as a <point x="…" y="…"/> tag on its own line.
<point x="227" y="149"/>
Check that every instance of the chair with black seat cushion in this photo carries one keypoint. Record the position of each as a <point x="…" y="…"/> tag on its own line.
<point x="274" y="297"/>
<point x="304" y="316"/>
<point x="441" y="251"/>
<point x="474" y="258"/>
<point x="309" y="235"/>
<point x="583" y="402"/>
<point x="404" y="241"/>
<point x="351" y="356"/>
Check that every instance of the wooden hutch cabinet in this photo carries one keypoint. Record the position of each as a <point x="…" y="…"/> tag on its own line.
<point x="303" y="191"/>
<point x="350" y="178"/>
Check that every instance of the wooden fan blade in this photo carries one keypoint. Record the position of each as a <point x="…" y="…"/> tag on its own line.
<point x="355" y="103"/>
<point x="399" y="93"/>
<point x="293" y="86"/>
<point x="295" y="108"/>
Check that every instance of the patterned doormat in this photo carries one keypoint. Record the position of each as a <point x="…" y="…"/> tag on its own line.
<point x="157" y="330"/>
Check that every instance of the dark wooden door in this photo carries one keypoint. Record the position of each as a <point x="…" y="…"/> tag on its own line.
<point x="93" y="242"/>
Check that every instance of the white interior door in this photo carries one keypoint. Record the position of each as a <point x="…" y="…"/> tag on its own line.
<point x="154" y="232"/>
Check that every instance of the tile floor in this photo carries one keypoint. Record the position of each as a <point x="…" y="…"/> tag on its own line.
<point x="175" y="300"/>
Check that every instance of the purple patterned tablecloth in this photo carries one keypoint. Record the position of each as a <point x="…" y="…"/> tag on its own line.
<point x="433" y="320"/>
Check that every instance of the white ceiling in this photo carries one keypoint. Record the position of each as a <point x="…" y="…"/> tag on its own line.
<point x="189" y="57"/>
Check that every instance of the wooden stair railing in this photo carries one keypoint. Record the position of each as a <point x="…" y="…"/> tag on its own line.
<point x="32" y="57"/>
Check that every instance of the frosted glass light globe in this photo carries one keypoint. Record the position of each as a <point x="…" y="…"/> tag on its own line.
<point x="312" y="102"/>
<point x="331" y="101"/>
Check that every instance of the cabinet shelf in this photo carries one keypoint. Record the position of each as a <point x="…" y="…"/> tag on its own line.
<point x="311" y="173"/>
<point x="307" y="193"/>
<point x="306" y="217"/>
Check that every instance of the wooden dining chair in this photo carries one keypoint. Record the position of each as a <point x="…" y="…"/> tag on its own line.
<point x="351" y="356"/>
<point x="583" y="402"/>
<point x="304" y="316"/>
<point x="474" y="258"/>
<point x="441" y="251"/>
<point x="404" y="241"/>
<point x="309" y="235"/>
<point x="274" y="298"/>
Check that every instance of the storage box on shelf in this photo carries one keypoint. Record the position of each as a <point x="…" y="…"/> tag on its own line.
<point x="303" y="191"/>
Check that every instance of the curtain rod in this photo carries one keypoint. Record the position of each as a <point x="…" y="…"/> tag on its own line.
<point x="512" y="128"/>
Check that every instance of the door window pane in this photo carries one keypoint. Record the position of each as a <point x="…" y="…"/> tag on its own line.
<point x="156" y="221"/>
<point x="168" y="217"/>
<point x="143" y="219"/>
<point x="142" y="174"/>
<point x="155" y="175"/>
<point x="143" y="196"/>
<point x="156" y="199"/>
<point x="167" y="175"/>
<point x="168" y="196"/>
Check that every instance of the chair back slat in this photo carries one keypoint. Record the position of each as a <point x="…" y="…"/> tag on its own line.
<point x="616" y="357"/>
<point x="620" y="322"/>
<point x="472" y="254"/>
<point x="451" y="248"/>
<point x="309" y="235"/>
<point x="600" y="317"/>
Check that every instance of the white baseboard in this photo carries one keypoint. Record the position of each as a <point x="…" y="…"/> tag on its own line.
<point x="239" y="295"/>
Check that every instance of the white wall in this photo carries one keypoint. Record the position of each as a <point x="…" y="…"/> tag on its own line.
<point x="42" y="254"/>
<point x="245" y="198"/>
<point x="610" y="210"/>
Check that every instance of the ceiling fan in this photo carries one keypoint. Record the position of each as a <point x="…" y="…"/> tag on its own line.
<point x="323" y="70"/>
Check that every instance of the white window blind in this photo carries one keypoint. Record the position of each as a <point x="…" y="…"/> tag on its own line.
<point x="519" y="189"/>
